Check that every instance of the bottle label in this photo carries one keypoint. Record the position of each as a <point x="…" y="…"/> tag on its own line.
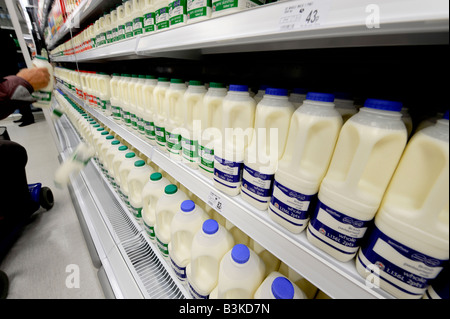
<point x="150" y="230"/>
<point x="115" y="34"/>
<point x="195" y="294"/>
<point x="336" y="229"/>
<point x="190" y="150"/>
<point x="173" y="142"/>
<point x="163" y="247"/>
<point x="137" y="25"/>
<point x="177" y="12"/>
<point x="116" y="113"/>
<point x="407" y="269"/>
<point x="197" y="8"/>
<point x="140" y="125"/>
<point x="162" y="18"/>
<point x="292" y="206"/>
<point x="129" y="29"/>
<point x="224" y="4"/>
<point x="133" y="120"/>
<point x="126" y="116"/>
<point x="121" y="32"/>
<point x="256" y="183"/>
<point x="227" y="171"/>
<point x="160" y="134"/>
<point x="207" y="159"/>
<point x="42" y="96"/>
<point x="149" y="128"/>
<point x="149" y="22"/>
<point x="179" y="271"/>
<point x="137" y="212"/>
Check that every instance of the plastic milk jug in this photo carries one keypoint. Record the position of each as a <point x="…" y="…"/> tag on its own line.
<point x="137" y="179"/>
<point x="161" y="14"/>
<point x="44" y="95"/>
<point x="149" y="109"/>
<point x="193" y="102"/>
<point x="345" y="105"/>
<point x="175" y="117"/>
<point x="75" y="163"/>
<point x="166" y="208"/>
<point x="103" y="146"/>
<point x="211" y="126"/>
<point x="238" y="115"/>
<point x="313" y="132"/>
<point x="139" y="104"/>
<point x="308" y="288"/>
<point x="297" y="96"/>
<point x="160" y="116"/>
<point x="409" y="244"/>
<point x="277" y="286"/>
<point x="115" y="97"/>
<point x="241" y="272"/>
<point x="132" y="100"/>
<point x="367" y="152"/>
<point x="115" y="164"/>
<point x="104" y="91"/>
<point x="198" y="10"/>
<point x="209" y="245"/>
<point x="185" y="224"/>
<point x="113" y="26"/>
<point x="109" y="155"/>
<point x="151" y="193"/>
<point x="124" y="170"/>
<point x="128" y="19"/>
<point x="177" y="13"/>
<point x="121" y="22"/>
<point x="138" y="16"/>
<point x="272" y="118"/>
<point x="125" y="99"/>
<point x="149" y="16"/>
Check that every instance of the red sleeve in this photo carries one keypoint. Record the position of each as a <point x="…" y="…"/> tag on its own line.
<point x="9" y="84"/>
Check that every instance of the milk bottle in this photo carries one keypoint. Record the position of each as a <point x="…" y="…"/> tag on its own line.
<point x="109" y="155"/>
<point x="177" y="13"/>
<point x="44" y="95"/>
<point x="123" y="88"/>
<point x="308" y="288"/>
<point x="149" y="16"/>
<point x="113" y="32"/>
<point x="193" y="101"/>
<point x="272" y="118"/>
<point x="115" y="96"/>
<point x="277" y="286"/>
<point x="151" y="193"/>
<point x="297" y="96"/>
<point x="345" y="105"/>
<point x="313" y="132"/>
<point x="166" y="208"/>
<point x="139" y="104"/>
<point x="185" y="224"/>
<point x="209" y="245"/>
<point x="138" y="16"/>
<point x="409" y="244"/>
<point x="198" y="10"/>
<point x="132" y="100"/>
<point x="128" y="20"/>
<point x="161" y="14"/>
<point x="107" y="28"/>
<point x="104" y="91"/>
<point x="149" y="108"/>
<point x="175" y="117"/>
<point x="241" y="272"/>
<point x="367" y="152"/>
<point x="137" y="179"/>
<point x="237" y="124"/>
<point x="160" y="116"/>
<point x="103" y="145"/>
<point x="124" y="169"/>
<point x="121" y="22"/>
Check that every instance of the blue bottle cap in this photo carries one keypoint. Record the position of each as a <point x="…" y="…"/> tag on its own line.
<point x="282" y="288"/>
<point x="210" y="227"/>
<point x="240" y="253"/>
<point x="187" y="206"/>
<point x="446" y="115"/>
<point x="238" y="88"/>
<point x="321" y="97"/>
<point x="278" y="92"/>
<point x="383" y="105"/>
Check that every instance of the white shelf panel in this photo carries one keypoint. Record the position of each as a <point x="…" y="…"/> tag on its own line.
<point x="336" y="279"/>
<point x="341" y="23"/>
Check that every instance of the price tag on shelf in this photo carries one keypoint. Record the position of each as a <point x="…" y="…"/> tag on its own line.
<point x="215" y="201"/>
<point x="303" y="14"/>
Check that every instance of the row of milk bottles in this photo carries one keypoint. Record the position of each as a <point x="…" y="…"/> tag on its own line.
<point x="212" y="257"/>
<point x="136" y="17"/>
<point x="321" y="174"/>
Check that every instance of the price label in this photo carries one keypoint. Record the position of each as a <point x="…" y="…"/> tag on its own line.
<point x="303" y="14"/>
<point x="215" y="201"/>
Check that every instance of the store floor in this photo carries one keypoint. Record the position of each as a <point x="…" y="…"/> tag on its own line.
<point x="50" y="259"/>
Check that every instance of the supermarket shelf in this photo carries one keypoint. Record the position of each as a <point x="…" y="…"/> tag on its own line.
<point x="336" y="279"/>
<point x="344" y="23"/>
<point x="118" y="244"/>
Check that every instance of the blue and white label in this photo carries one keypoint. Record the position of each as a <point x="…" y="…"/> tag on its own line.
<point x="290" y="205"/>
<point x="336" y="229"/>
<point x="408" y="270"/>
<point x="228" y="172"/>
<point x="257" y="185"/>
<point x="195" y="294"/>
<point x="179" y="271"/>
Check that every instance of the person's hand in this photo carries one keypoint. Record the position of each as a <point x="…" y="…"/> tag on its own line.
<point x="37" y="77"/>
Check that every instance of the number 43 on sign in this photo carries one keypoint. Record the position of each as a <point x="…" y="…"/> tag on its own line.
<point x="303" y="14"/>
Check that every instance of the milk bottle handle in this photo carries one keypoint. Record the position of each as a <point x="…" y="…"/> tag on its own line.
<point x="362" y="154"/>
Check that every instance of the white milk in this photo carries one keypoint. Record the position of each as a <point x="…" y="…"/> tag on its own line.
<point x="124" y="99"/>
<point x="345" y="105"/>
<point x="124" y="169"/>
<point x="109" y="155"/>
<point x="297" y="96"/>
<point x="103" y="146"/>
<point x="238" y="114"/>
<point x="166" y="208"/>
<point x="272" y="118"/>
<point x="140" y="104"/>
<point x="160" y="116"/>
<point x="277" y="286"/>
<point x="211" y="126"/>
<point x="149" y="109"/>
<point x="308" y="288"/>
<point x="409" y="244"/>
<point x="177" y="13"/>
<point x="151" y="193"/>
<point x="198" y="10"/>
<point x="128" y="19"/>
<point x="104" y="88"/>
<point x="132" y="100"/>
<point x="121" y="22"/>
<point x="313" y="133"/>
<point x="138" y="16"/>
<point x="193" y="102"/>
<point x="149" y="16"/>
<point x="43" y="95"/>
<point x="222" y="7"/>
<point x="209" y="245"/>
<point x="113" y="27"/>
<point x="241" y="273"/>
<point x="185" y="224"/>
<point x="161" y="14"/>
<point x="175" y="117"/>
<point x="367" y="152"/>
<point x="137" y="179"/>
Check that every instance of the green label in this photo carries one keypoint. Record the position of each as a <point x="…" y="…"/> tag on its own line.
<point x="149" y="128"/>
<point x="150" y="230"/>
<point x="190" y="149"/>
<point x="42" y="96"/>
<point x="114" y="35"/>
<point x="197" y="8"/>
<point x="116" y="113"/>
<point x="137" y="212"/>
<point x="137" y="25"/>
<point x="126" y="117"/>
<point x="109" y="36"/>
<point x="163" y="247"/>
<point x="207" y="159"/>
<point x="121" y="32"/>
<point x="224" y="4"/>
<point x="160" y="134"/>
<point x="173" y="142"/>
<point x="129" y="29"/>
<point x="177" y="12"/>
<point x="149" y="22"/>
<point x="162" y="18"/>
